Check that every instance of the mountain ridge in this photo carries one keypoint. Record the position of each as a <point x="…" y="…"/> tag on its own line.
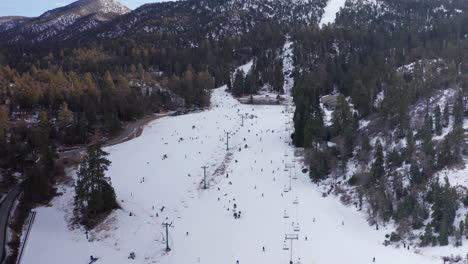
<point x="57" y="21"/>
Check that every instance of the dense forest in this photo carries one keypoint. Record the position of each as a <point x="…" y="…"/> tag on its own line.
<point x="379" y="64"/>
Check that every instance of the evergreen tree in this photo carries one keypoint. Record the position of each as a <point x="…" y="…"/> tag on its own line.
<point x="341" y="117"/>
<point x="65" y="116"/>
<point x="238" y="84"/>
<point x="428" y="236"/>
<point x="466" y="226"/>
<point x="446" y="116"/>
<point x="94" y="194"/>
<point x="4" y="126"/>
<point x="410" y="145"/>
<point x="377" y="169"/>
<point x="437" y="121"/>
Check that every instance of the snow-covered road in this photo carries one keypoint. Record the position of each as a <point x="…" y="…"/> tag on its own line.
<point x="251" y="175"/>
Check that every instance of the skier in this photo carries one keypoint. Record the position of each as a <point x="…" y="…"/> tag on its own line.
<point x="237" y="262"/>
<point x="186" y="233"/>
<point x="263" y="248"/>
<point x="92" y="259"/>
<point x="373" y="260"/>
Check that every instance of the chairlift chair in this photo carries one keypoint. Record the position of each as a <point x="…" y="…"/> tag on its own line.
<point x="297" y="228"/>
<point x="285" y="246"/>
<point x="296" y="201"/>
<point x="285" y="214"/>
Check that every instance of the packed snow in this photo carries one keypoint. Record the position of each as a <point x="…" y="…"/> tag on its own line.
<point x="158" y="179"/>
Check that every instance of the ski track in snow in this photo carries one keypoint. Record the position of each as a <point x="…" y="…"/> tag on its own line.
<point x="215" y="237"/>
<point x="330" y="11"/>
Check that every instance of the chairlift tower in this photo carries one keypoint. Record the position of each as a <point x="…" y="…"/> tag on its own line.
<point x="167" y="225"/>
<point x="291" y="237"/>
<point x="204" y="176"/>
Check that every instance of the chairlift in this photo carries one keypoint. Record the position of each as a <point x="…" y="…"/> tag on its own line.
<point x="296" y="201"/>
<point x="285" y="214"/>
<point x="285" y="246"/>
<point x="286" y="189"/>
<point x="294" y="177"/>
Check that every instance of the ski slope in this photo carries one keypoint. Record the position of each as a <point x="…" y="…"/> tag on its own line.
<point x="330" y="11"/>
<point x="251" y="174"/>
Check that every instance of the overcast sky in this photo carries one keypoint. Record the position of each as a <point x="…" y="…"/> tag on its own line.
<point x="37" y="7"/>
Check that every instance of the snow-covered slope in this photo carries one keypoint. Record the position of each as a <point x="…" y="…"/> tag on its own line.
<point x="158" y="178"/>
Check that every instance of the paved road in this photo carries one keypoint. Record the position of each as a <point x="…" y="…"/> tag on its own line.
<point x="5" y="208"/>
<point x="130" y="131"/>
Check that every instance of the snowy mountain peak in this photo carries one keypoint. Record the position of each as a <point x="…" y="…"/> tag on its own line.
<point x="62" y="22"/>
<point x="86" y="7"/>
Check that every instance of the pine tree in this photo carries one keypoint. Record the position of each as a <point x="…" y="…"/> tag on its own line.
<point x="38" y="184"/>
<point x="341" y="117"/>
<point x="437" y="121"/>
<point x="65" y="116"/>
<point x="428" y="236"/>
<point x="446" y="116"/>
<point x="377" y="169"/>
<point x="4" y="126"/>
<point x="458" y="112"/>
<point x="410" y="145"/>
<point x="238" y="84"/>
<point x="94" y="194"/>
<point x="466" y="226"/>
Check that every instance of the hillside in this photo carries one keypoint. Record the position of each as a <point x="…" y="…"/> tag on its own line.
<point x="61" y="23"/>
